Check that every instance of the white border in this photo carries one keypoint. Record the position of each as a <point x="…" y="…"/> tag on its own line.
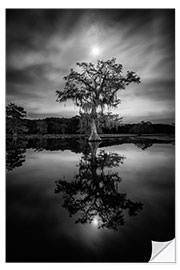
<point x="89" y="4"/>
<point x="77" y="4"/>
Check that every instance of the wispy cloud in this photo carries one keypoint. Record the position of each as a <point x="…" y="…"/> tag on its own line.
<point x="42" y="46"/>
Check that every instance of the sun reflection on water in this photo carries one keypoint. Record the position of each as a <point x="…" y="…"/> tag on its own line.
<point x="95" y="221"/>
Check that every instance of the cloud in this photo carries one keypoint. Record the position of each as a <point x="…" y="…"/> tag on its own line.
<point x="42" y="46"/>
<point x="34" y="73"/>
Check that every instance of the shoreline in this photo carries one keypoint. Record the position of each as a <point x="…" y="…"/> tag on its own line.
<point x="126" y="138"/>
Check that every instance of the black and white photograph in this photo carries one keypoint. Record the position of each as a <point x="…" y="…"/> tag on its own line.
<point x="90" y="135"/>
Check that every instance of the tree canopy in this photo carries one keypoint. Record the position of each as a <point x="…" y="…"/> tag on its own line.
<point x="14" y="117"/>
<point x="96" y="86"/>
<point x="15" y="112"/>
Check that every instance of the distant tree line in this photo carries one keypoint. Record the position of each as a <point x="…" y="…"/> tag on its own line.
<point x="72" y="125"/>
<point x="17" y="123"/>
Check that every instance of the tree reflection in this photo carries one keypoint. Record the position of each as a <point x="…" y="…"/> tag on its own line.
<point x="143" y="144"/>
<point x="94" y="192"/>
<point x="15" y="153"/>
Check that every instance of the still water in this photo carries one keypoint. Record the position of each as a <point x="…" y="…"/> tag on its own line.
<point x="71" y="201"/>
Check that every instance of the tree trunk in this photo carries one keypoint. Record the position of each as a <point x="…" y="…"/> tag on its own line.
<point x="15" y="133"/>
<point x="94" y="164"/>
<point x="94" y="147"/>
<point x="94" y="135"/>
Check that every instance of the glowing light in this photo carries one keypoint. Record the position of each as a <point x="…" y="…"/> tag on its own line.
<point x="95" y="221"/>
<point x="95" y="51"/>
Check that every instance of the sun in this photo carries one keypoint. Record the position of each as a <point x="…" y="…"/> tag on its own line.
<point x="95" y="50"/>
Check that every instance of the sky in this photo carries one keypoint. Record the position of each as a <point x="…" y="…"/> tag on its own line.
<point x="43" y="45"/>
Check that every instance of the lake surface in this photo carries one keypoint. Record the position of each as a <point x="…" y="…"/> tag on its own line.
<point x="71" y="201"/>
